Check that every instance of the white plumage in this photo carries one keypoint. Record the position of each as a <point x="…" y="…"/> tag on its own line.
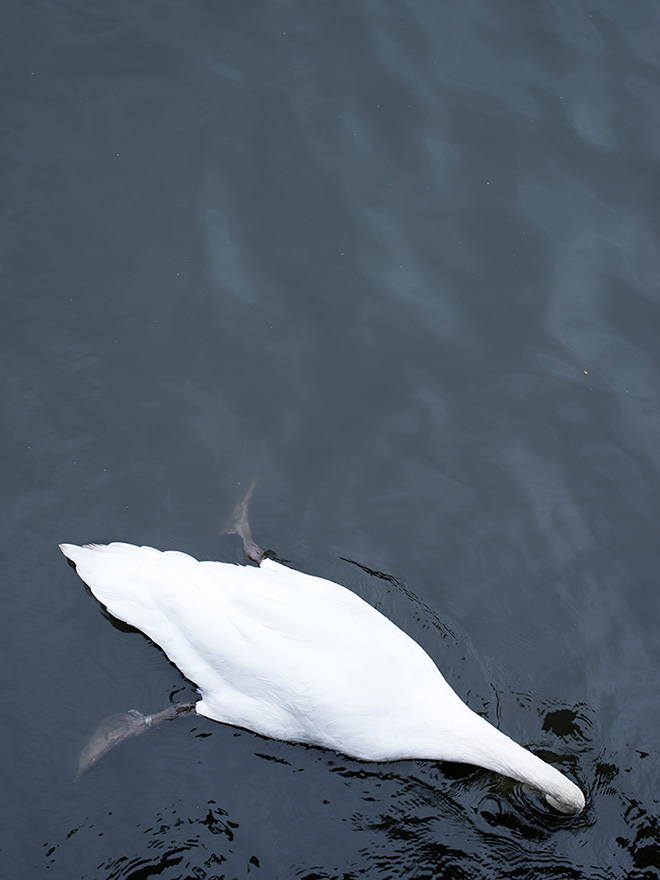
<point x="300" y="658"/>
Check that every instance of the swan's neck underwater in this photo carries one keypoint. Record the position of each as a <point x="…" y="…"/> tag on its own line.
<point x="477" y="742"/>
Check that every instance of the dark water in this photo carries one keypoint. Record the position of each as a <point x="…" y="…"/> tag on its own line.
<point x="400" y="261"/>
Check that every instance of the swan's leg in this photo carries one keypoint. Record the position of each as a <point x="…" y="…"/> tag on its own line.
<point x="238" y="525"/>
<point x="116" y="728"/>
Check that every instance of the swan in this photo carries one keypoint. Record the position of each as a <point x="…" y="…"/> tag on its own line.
<point x="295" y="657"/>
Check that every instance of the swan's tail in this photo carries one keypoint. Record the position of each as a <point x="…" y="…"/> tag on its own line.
<point x="121" y="576"/>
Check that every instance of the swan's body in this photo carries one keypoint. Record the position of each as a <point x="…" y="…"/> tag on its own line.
<point x="300" y="658"/>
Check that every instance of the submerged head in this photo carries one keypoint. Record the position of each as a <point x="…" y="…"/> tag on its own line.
<point x="568" y="799"/>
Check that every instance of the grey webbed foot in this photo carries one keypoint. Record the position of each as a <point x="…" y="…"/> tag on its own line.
<point x="115" y="729"/>
<point x="239" y="525"/>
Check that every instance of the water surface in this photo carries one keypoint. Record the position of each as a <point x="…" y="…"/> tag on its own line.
<point x="399" y="261"/>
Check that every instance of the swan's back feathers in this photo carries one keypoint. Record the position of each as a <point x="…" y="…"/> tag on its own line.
<point x="281" y="652"/>
<point x="297" y="657"/>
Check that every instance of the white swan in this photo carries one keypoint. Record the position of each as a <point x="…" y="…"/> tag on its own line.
<point x="299" y="658"/>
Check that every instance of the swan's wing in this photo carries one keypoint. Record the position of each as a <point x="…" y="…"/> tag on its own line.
<point x="306" y="610"/>
<point x="315" y="646"/>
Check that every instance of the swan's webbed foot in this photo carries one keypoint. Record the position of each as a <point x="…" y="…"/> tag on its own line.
<point x="112" y="730"/>
<point x="239" y="525"/>
<point x="115" y="729"/>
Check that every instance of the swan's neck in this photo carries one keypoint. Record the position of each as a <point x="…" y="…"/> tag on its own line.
<point x="485" y="746"/>
<point x="496" y="751"/>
